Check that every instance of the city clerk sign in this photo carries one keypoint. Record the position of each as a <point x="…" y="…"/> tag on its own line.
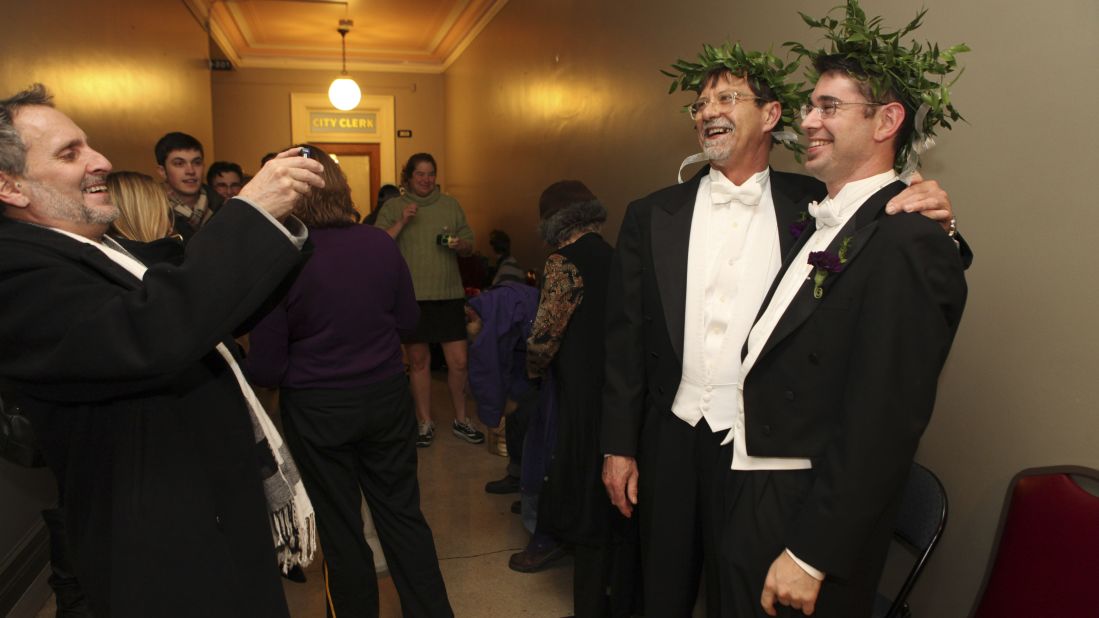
<point x="343" y="122"/>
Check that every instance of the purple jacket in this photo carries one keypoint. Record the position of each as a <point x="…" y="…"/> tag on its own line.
<point x="338" y="325"/>
<point x="497" y="357"/>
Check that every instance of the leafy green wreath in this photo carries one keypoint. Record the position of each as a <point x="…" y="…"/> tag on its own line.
<point x="762" y="67"/>
<point x="889" y="65"/>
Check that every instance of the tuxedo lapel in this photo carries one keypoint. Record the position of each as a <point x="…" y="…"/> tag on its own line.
<point x="671" y="235"/>
<point x="859" y="229"/>
<point x="788" y="257"/>
<point x="791" y="202"/>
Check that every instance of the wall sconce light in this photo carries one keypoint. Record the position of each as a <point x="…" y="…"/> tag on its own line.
<point x="344" y="93"/>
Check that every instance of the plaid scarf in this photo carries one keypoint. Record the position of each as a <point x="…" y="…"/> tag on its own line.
<point x="196" y="216"/>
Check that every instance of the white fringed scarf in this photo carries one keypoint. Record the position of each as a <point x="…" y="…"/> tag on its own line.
<point x="293" y="523"/>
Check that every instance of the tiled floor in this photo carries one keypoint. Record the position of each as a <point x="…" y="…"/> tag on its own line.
<point x="474" y="533"/>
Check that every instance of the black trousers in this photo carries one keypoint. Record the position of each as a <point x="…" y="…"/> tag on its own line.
<point x="760" y="505"/>
<point x="606" y="578"/>
<point x="66" y="588"/>
<point x="679" y="508"/>
<point x="515" y="430"/>
<point x="351" y="440"/>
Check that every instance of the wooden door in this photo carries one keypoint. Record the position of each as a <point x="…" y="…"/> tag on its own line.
<point x="361" y="163"/>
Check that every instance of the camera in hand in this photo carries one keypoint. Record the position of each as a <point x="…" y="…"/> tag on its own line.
<point x="443" y="240"/>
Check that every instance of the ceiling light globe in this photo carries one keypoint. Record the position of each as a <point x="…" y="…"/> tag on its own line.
<point x="344" y="93"/>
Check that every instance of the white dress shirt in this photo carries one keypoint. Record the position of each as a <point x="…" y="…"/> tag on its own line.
<point x="734" y="255"/>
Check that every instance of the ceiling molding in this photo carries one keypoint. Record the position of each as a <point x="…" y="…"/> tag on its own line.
<point x="297" y="35"/>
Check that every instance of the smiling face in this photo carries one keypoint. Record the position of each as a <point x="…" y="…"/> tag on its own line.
<point x="856" y="142"/>
<point x="182" y="170"/>
<point x="737" y="141"/>
<point x="422" y="181"/>
<point x="65" y="181"/>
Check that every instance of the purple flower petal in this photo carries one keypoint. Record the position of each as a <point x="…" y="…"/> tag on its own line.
<point x="826" y="260"/>
<point x="797" y="228"/>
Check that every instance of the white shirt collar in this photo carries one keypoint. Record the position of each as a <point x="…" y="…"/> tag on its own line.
<point x="834" y="210"/>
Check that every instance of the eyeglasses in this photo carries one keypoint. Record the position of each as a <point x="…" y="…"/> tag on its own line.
<point x="829" y="108"/>
<point x="724" y="102"/>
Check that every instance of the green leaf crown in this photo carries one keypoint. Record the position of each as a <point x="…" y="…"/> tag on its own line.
<point x="757" y="67"/>
<point x="888" y="65"/>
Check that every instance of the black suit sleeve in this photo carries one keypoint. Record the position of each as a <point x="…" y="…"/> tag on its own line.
<point x="624" y="389"/>
<point x="965" y="251"/>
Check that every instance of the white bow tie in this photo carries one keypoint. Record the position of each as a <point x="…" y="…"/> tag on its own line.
<point x="826" y="214"/>
<point x="723" y="191"/>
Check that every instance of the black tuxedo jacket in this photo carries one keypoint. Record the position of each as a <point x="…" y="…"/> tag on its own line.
<point x="647" y="298"/>
<point x="141" y="420"/>
<point x="848" y="380"/>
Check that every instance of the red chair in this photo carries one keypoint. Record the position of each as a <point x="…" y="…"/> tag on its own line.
<point x="1047" y="560"/>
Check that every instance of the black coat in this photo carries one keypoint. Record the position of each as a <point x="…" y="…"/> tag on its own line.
<point x="141" y="420"/>
<point x="573" y="504"/>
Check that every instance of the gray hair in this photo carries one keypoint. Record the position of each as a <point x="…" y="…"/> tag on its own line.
<point x="13" y="151"/>
<point x="579" y="216"/>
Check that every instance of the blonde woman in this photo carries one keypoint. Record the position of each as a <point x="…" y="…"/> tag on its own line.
<point x="144" y="212"/>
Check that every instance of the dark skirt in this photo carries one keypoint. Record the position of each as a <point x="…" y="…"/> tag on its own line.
<point x="440" y="321"/>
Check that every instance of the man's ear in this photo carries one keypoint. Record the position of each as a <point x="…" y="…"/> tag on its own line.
<point x="11" y="191"/>
<point x="163" y="174"/>
<point x="772" y="114"/>
<point x="890" y="120"/>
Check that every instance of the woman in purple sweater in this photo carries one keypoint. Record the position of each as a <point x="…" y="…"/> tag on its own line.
<point x="333" y="348"/>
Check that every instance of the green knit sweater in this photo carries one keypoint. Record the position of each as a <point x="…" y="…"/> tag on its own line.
<point x="434" y="268"/>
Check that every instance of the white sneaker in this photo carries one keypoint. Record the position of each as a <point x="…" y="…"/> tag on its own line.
<point x="425" y="433"/>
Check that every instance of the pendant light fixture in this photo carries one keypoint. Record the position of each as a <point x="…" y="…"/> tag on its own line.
<point x="344" y="93"/>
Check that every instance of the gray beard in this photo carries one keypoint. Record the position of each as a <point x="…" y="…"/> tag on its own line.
<point x="56" y="206"/>
<point x="719" y="153"/>
<point x="716" y="153"/>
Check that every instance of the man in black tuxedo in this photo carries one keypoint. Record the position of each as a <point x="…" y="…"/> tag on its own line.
<point x="137" y="406"/>
<point x="839" y="370"/>
<point x="693" y="263"/>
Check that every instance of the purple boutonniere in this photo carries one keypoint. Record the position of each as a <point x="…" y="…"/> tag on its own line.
<point x="827" y="262"/>
<point x="797" y="228"/>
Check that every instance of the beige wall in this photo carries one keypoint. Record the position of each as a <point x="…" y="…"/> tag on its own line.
<point x="571" y="89"/>
<point x="127" y="71"/>
<point x="252" y="111"/>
